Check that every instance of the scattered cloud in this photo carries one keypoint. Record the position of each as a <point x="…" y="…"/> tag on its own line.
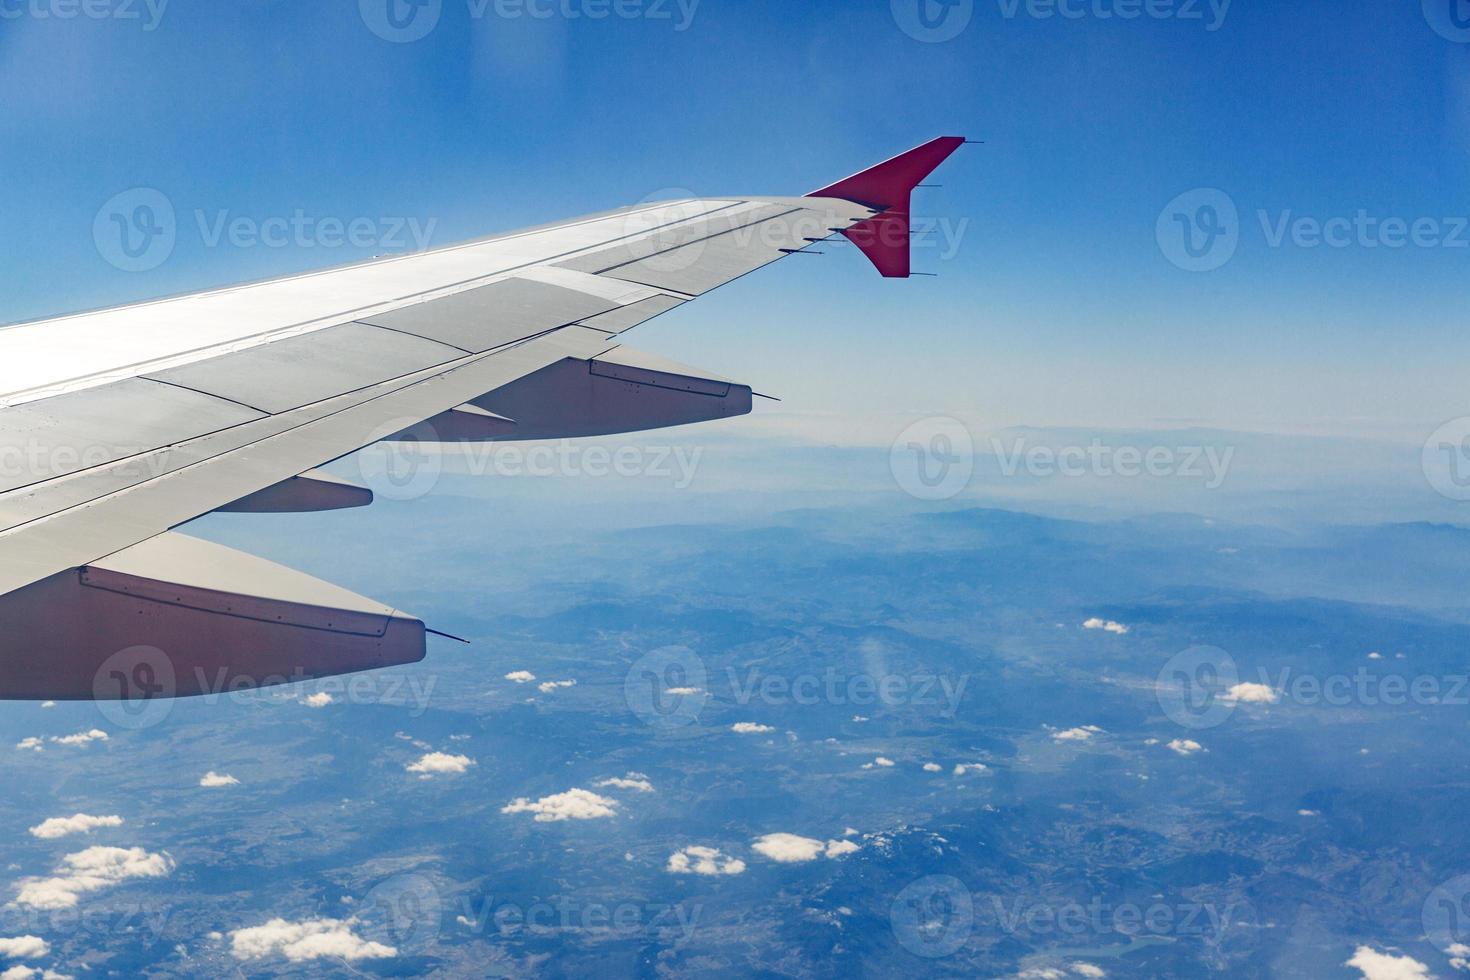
<point x="633" y="780"/>
<point x="30" y="973"/>
<point x="1386" y="966"/>
<point x="550" y="686"/>
<point x="520" y="676"/>
<point x="703" y="861"/>
<point x="440" y="763"/>
<point x="788" y="848"/>
<point x="1083" y="734"/>
<point x="48" y="704"/>
<point x="680" y="691"/>
<point x="794" y="849"/>
<point x="1107" y="625"/>
<point x="318" y="700"/>
<point x="1185" y="746"/>
<point x="80" y="824"/>
<point x="933" y="767"/>
<point x="1375" y="655"/>
<point x="313" y="939"/>
<point x="860" y="718"/>
<point x="1249" y="692"/>
<point x="91" y="870"/>
<point x="965" y="767"/>
<point x="24" y="948"/>
<point x="574" y="804"/>
<point x="217" y="780"/>
<point x="883" y="761"/>
<point x="1309" y="813"/>
<point x="750" y="728"/>
<point x="81" y="738"/>
<point x="1089" y="970"/>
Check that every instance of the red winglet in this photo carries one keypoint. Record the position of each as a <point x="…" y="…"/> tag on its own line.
<point x="884" y="238"/>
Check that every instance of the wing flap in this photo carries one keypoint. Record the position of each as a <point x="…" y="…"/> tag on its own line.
<point x="202" y="618"/>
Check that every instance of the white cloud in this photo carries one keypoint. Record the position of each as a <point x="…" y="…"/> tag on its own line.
<point x="550" y="686"/>
<point x="965" y="767"/>
<point x="29" y="973"/>
<point x="79" y="824"/>
<point x="91" y="870"/>
<point x="1375" y="655"/>
<point x="933" y="767"/>
<point x="215" y="780"/>
<point x="1083" y="734"/>
<point x="883" y="761"/>
<point x="703" y="861"/>
<point x="788" y="848"/>
<point x="574" y="804"/>
<point x="680" y="691"/>
<point x="859" y="718"/>
<point x="1385" y="966"/>
<point x="750" y="728"/>
<point x="48" y="704"/>
<point x="313" y="939"/>
<point x="1309" y="813"/>
<point x="1250" y="692"/>
<point x="792" y="849"/>
<point x="520" y="676"/>
<point x="24" y="948"/>
<point x="440" y="763"/>
<point x="318" y="700"/>
<point x="1088" y="970"/>
<point x="634" y="780"/>
<point x="1185" y="746"/>
<point x="1106" y="625"/>
<point x="81" y="738"/>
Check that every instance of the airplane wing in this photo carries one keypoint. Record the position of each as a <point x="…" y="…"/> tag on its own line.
<point x="118" y="426"/>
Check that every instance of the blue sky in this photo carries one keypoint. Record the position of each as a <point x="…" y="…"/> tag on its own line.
<point x="1058" y="305"/>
